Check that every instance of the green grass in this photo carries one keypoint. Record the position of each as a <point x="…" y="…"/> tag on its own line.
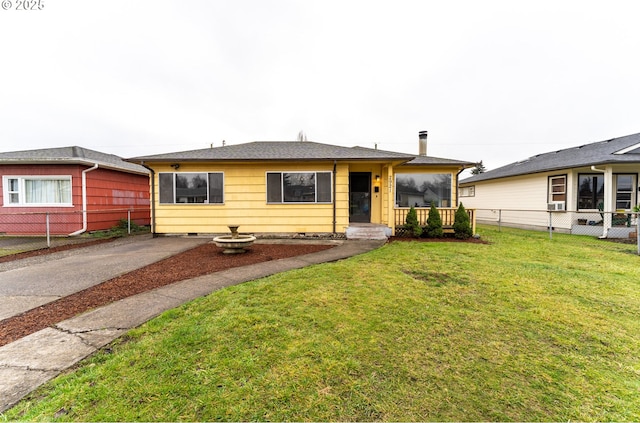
<point x="523" y="329"/>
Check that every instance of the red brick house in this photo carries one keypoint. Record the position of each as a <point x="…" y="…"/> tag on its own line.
<point x="73" y="188"/>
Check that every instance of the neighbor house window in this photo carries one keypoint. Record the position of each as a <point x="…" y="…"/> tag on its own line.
<point x="557" y="188"/>
<point x="422" y="189"/>
<point x="624" y="191"/>
<point x="299" y="187"/>
<point x="590" y="191"/>
<point x="191" y="188"/>
<point x="37" y="191"/>
<point x="468" y="191"/>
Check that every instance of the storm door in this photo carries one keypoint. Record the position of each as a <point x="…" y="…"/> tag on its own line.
<point x="360" y="197"/>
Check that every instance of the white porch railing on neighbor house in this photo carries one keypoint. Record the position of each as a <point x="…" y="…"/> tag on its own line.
<point x="447" y="215"/>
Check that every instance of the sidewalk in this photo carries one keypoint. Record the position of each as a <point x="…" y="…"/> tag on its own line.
<point x="33" y="360"/>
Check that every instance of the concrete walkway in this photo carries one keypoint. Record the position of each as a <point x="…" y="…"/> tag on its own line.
<point x="33" y="360"/>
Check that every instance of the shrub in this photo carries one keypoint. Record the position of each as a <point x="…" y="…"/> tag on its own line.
<point x="461" y="225"/>
<point x="434" y="223"/>
<point x="412" y="224"/>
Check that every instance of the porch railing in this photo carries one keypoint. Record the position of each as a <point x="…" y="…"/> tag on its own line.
<point x="447" y="215"/>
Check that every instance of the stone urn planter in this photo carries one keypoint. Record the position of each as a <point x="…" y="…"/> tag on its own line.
<point x="234" y="243"/>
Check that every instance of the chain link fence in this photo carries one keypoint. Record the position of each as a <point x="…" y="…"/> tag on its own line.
<point x="615" y="226"/>
<point x="27" y="231"/>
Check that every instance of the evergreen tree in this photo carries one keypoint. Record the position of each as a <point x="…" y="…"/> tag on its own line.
<point x="434" y="223"/>
<point x="412" y="224"/>
<point x="478" y="169"/>
<point x="462" y="226"/>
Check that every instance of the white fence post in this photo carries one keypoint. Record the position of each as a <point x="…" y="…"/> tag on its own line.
<point x="129" y="221"/>
<point x="550" y="225"/>
<point x="638" y="231"/>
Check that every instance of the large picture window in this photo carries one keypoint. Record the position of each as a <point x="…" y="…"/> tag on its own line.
<point x="299" y="187"/>
<point x="590" y="191"/>
<point x="422" y="189"/>
<point x="37" y="191"/>
<point x="191" y="188"/>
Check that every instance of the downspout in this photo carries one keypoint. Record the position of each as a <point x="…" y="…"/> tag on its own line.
<point x="153" y="199"/>
<point x="334" y="196"/>
<point x="606" y="224"/>
<point x="457" y="186"/>
<point x="84" y="200"/>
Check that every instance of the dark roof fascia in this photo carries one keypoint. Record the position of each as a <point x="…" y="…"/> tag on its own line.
<point x="148" y="161"/>
<point x="85" y="162"/>
<point x="444" y="162"/>
<point x="479" y="178"/>
<point x="598" y="153"/>
<point x="71" y="155"/>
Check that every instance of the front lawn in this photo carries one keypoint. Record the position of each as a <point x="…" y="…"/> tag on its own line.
<point x="522" y="329"/>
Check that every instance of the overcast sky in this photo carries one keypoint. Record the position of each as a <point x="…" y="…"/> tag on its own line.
<point x="496" y="81"/>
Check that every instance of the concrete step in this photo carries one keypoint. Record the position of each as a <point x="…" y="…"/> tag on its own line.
<point x="368" y="232"/>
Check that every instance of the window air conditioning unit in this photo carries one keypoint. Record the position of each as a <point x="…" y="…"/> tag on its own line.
<point x="556" y="206"/>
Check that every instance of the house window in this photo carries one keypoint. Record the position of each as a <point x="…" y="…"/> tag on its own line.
<point x="298" y="187"/>
<point x="624" y="191"/>
<point x="191" y="188"/>
<point x="590" y="191"/>
<point x="557" y="188"/>
<point x="37" y="191"/>
<point x="468" y="191"/>
<point x="422" y="189"/>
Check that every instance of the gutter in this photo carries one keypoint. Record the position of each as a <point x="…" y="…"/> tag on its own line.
<point x="458" y="185"/>
<point x="335" y="162"/>
<point x="84" y="200"/>
<point x="153" y="199"/>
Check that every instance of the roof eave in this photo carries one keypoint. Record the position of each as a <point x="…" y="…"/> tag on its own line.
<point x="72" y="161"/>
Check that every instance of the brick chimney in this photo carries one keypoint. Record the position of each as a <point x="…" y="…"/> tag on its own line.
<point x="422" y="139"/>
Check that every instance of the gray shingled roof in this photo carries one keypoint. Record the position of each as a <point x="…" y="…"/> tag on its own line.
<point x="287" y="150"/>
<point x="616" y="150"/>
<point x="70" y="155"/>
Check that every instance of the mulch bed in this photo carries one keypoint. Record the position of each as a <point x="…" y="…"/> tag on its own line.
<point x="202" y="260"/>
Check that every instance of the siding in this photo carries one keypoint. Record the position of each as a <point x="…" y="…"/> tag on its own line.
<point x="107" y="190"/>
<point x="110" y="194"/>
<point x="245" y="203"/>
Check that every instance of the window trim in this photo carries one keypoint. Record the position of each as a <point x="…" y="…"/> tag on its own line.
<point x="22" y="189"/>
<point x="633" y="191"/>
<point x="316" y="179"/>
<point x="469" y="191"/>
<point x="173" y="189"/>
<point x="395" y="188"/>
<point x="577" y="194"/>
<point x="550" y="186"/>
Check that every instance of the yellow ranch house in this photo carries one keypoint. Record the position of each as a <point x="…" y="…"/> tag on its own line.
<point x="298" y="188"/>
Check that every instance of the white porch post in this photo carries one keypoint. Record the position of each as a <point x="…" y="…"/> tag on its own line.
<point x="391" y="201"/>
<point x="609" y="201"/>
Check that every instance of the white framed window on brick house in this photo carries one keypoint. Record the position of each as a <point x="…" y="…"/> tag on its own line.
<point x="299" y="187"/>
<point x="191" y="187"/>
<point x="37" y="191"/>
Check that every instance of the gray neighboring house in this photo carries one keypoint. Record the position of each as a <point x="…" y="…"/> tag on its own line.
<point x="590" y="185"/>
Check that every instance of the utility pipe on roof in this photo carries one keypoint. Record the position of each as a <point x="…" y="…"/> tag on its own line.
<point x="84" y="200"/>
